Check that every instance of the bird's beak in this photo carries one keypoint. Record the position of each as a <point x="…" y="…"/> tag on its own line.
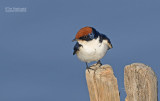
<point x="74" y="40"/>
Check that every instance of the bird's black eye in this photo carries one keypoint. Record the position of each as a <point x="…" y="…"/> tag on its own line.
<point x="87" y="37"/>
<point x="91" y="36"/>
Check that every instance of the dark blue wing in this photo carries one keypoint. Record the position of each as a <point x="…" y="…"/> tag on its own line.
<point x="76" y="48"/>
<point x="104" y="37"/>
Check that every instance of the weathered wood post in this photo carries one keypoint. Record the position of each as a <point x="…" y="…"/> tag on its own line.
<point x="102" y="84"/>
<point x="140" y="83"/>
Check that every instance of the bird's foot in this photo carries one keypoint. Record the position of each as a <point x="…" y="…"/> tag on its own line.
<point x="99" y="62"/>
<point x="87" y="67"/>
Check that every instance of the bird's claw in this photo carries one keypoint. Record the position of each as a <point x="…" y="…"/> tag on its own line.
<point x="99" y="62"/>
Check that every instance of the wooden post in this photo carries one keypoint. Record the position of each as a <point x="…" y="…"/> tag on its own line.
<point x="140" y="83"/>
<point x="102" y="84"/>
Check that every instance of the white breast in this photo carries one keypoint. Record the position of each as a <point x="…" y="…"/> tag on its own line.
<point x="92" y="50"/>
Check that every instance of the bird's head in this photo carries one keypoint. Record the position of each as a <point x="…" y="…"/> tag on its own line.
<point x="85" y="33"/>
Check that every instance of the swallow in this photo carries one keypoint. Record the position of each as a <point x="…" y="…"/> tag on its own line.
<point x="91" y="45"/>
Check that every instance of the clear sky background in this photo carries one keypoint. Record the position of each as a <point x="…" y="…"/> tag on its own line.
<point x="36" y="61"/>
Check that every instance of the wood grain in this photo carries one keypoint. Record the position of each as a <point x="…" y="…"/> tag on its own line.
<point x="102" y="84"/>
<point x="140" y="83"/>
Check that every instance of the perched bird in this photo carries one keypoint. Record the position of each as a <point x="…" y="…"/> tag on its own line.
<point x="91" y="45"/>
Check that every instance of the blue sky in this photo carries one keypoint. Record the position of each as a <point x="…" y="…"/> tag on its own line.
<point x="36" y="61"/>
